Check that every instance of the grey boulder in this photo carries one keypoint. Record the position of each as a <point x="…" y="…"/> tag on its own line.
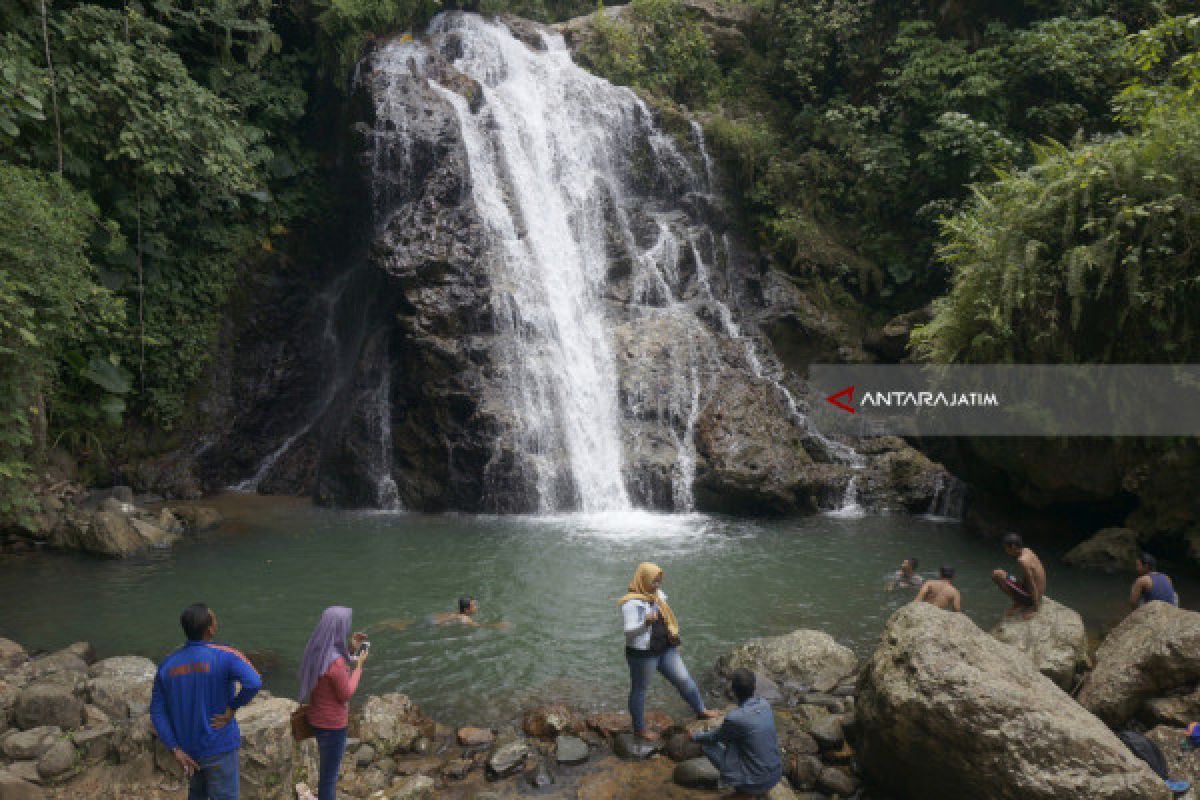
<point x="945" y="710"/>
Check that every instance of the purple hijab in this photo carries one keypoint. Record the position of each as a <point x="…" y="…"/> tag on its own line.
<point x="327" y="644"/>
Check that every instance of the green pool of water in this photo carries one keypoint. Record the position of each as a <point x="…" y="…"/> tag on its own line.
<point x="272" y="568"/>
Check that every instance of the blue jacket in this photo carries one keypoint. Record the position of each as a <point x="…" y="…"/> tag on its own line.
<point x="193" y="684"/>
<point x="746" y="748"/>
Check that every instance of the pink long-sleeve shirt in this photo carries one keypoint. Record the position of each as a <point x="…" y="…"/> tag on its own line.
<point x="329" y="704"/>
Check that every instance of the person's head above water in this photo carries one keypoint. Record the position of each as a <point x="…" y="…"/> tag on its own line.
<point x="199" y="622"/>
<point x="947" y="573"/>
<point x="1146" y="564"/>
<point x="467" y="605"/>
<point x="742" y="684"/>
<point x="1013" y="544"/>
<point x="908" y="565"/>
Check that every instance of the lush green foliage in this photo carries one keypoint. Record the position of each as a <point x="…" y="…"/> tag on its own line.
<point x="54" y="318"/>
<point x="1089" y="255"/>
<point x="851" y="127"/>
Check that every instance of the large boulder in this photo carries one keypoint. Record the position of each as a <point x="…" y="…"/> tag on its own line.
<point x="1054" y="639"/>
<point x="14" y="788"/>
<point x="43" y="704"/>
<point x="1111" y="550"/>
<point x="752" y="457"/>
<point x="945" y="710"/>
<point x="30" y="744"/>
<point x="111" y="533"/>
<point x="807" y="658"/>
<point x="1154" y="651"/>
<point x="197" y="519"/>
<point x="386" y="723"/>
<point x="1178" y="709"/>
<point x="121" y="686"/>
<point x="268" y="754"/>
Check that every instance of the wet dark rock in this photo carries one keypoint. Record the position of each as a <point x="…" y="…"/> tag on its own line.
<point x="803" y="771"/>
<point x="680" y="747"/>
<point x="197" y="518"/>
<point x="696" y="773"/>
<point x="475" y="737"/>
<point x="456" y="769"/>
<point x="836" y="780"/>
<point x="828" y="733"/>
<point x="546" y="722"/>
<point x="508" y="759"/>
<point x="1109" y="550"/>
<point x="570" y="750"/>
<point x="540" y="776"/>
<point x="634" y="748"/>
<point x="609" y="723"/>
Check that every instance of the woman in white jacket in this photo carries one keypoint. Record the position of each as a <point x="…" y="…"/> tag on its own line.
<point x="651" y="642"/>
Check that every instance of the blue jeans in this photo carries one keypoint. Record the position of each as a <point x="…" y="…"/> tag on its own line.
<point x="331" y="744"/>
<point x="217" y="778"/>
<point x="642" y="668"/>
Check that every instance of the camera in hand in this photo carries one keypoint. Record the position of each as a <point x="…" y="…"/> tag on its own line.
<point x="365" y="646"/>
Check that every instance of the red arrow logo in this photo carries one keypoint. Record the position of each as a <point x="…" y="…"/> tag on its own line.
<point x="848" y="394"/>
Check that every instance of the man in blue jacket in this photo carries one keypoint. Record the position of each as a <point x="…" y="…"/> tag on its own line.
<point x="197" y="690"/>
<point x="745" y="749"/>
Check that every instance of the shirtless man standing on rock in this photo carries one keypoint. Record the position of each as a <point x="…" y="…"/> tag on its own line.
<point x="941" y="592"/>
<point x="1027" y="588"/>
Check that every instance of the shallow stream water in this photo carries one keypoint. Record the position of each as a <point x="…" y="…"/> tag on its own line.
<point x="555" y="579"/>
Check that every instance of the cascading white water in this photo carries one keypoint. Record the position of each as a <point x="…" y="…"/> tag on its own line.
<point x="541" y="164"/>
<point x="610" y="335"/>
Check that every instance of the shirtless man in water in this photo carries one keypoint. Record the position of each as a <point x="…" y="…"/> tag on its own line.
<point x="941" y="592"/>
<point x="467" y="609"/>
<point x="1028" y="587"/>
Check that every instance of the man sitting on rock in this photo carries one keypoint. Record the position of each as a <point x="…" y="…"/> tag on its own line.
<point x="1027" y="588"/>
<point x="1151" y="585"/>
<point x="906" y="577"/>
<point x="745" y="749"/>
<point x="941" y="592"/>
<point x="196" y="693"/>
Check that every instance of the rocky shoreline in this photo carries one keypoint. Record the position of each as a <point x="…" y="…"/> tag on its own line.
<point x="941" y="709"/>
<point x="110" y="523"/>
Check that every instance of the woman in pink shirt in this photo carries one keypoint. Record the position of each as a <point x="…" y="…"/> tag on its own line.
<point x="329" y="676"/>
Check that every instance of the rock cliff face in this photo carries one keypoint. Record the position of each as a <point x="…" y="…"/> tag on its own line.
<point x="541" y="306"/>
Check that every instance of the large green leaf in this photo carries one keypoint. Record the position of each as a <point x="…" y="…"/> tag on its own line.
<point x="108" y="376"/>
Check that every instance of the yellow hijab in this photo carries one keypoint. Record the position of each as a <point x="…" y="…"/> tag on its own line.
<point x="642" y="588"/>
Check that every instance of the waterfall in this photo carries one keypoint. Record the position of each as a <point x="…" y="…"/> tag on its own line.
<point x="387" y="494"/>
<point x="607" y="325"/>
<point x="949" y="498"/>
<point x="850" y="508"/>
